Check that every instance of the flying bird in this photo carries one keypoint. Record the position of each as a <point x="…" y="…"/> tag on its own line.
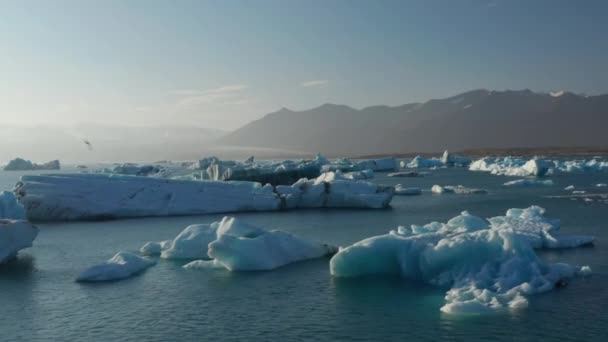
<point x="88" y="143"/>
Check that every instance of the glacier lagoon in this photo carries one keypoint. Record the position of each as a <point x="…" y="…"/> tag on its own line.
<point x="301" y="301"/>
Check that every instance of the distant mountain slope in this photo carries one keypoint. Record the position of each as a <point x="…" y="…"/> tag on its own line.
<point x="476" y="119"/>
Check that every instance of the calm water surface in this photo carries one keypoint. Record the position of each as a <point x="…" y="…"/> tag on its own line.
<point x="40" y="301"/>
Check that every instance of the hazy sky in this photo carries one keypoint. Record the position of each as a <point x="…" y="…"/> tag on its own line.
<point x="223" y="63"/>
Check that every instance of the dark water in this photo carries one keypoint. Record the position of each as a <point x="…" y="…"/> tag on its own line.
<point x="40" y="301"/>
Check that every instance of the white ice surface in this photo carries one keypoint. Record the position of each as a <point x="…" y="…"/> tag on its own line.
<point x="487" y="267"/>
<point x="15" y="235"/>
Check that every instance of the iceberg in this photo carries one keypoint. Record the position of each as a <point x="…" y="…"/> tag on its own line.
<point x="596" y="164"/>
<point x="529" y="182"/>
<point x="153" y="248"/>
<point x="446" y="160"/>
<point x="120" y="266"/>
<point x="456" y="189"/>
<point x="136" y="170"/>
<point x="66" y="197"/>
<point x="238" y="246"/>
<point x="452" y="160"/>
<point x="509" y="166"/>
<point x="275" y="173"/>
<point x="10" y="208"/>
<point x="19" y="164"/>
<point x="421" y="163"/>
<point x="378" y="165"/>
<point x="488" y="267"/>
<point x="569" y="188"/>
<point x="404" y="191"/>
<point x="15" y="235"/>
<point x="406" y="174"/>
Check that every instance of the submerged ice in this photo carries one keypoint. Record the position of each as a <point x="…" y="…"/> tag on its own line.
<point x="488" y="265"/>
<point x="120" y="266"/>
<point x="9" y="207"/>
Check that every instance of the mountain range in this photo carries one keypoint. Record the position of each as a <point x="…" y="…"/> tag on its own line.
<point x="472" y="120"/>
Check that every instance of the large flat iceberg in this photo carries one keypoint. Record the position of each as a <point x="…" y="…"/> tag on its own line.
<point x="97" y="196"/>
<point x="120" y="266"/>
<point x="15" y="236"/>
<point x="488" y="265"/>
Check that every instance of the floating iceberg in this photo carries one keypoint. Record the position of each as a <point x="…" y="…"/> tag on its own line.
<point x="378" y="165"/>
<point x="136" y="170"/>
<point x="10" y="208"/>
<point x="581" y="166"/>
<point x="19" y="164"/>
<point x="403" y="191"/>
<point x="488" y="267"/>
<point x="406" y="174"/>
<point x="601" y="185"/>
<point x="456" y="189"/>
<point x="275" y="173"/>
<point x="238" y="246"/>
<point x="153" y="248"/>
<point x="451" y="160"/>
<point x="421" y="163"/>
<point x="446" y="160"/>
<point x="529" y="182"/>
<point x="15" y="236"/>
<point x="569" y="188"/>
<point x="509" y="166"/>
<point x="96" y="196"/>
<point x="120" y="266"/>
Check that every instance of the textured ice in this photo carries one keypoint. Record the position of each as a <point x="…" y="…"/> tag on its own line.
<point x="238" y="246"/>
<point x="98" y="196"/>
<point x="447" y="160"/>
<point x="595" y="164"/>
<point x="19" y="164"/>
<point x="405" y="191"/>
<point x="120" y="266"/>
<point x="15" y="235"/>
<point x="9" y="207"/>
<point x="510" y="166"/>
<point x="456" y="189"/>
<point x="136" y="170"/>
<point x="488" y="267"/>
<point x="529" y="182"/>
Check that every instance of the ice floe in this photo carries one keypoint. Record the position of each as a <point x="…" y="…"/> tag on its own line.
<point x="529" y="182"/>
<point x="406" y="174"/>
<point x="489" y="266"/>
<point x="9" y="207"/>
<point x="456" y="189"/>
<point x="405" y="191"/>
<point x="120" y="266"/>
<point x="19" y="164"/>
<point x="96" y="196"/>
<point x="15" y="235"/>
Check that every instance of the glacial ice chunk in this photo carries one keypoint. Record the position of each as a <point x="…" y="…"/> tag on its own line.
<point x="97" y="196"/>
<point x="510" y="166"/>
<point x="488" y="267"/>
<point x="238" y="246"/>
<point x="456" y="189"/>
<point x="120" y="266"/>
<point x="10" y="208"/>
<point x="405" y="191"/>
<point x="529" y="182"/>
<point x="15" y="235"/>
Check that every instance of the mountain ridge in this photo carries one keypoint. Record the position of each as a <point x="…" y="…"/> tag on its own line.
<point x="478" y="118"/>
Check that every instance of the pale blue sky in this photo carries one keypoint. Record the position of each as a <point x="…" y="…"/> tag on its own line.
<point x="223" y="63"/>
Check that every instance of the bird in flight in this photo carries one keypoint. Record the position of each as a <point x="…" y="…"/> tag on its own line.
<point x="88" y="143"/>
